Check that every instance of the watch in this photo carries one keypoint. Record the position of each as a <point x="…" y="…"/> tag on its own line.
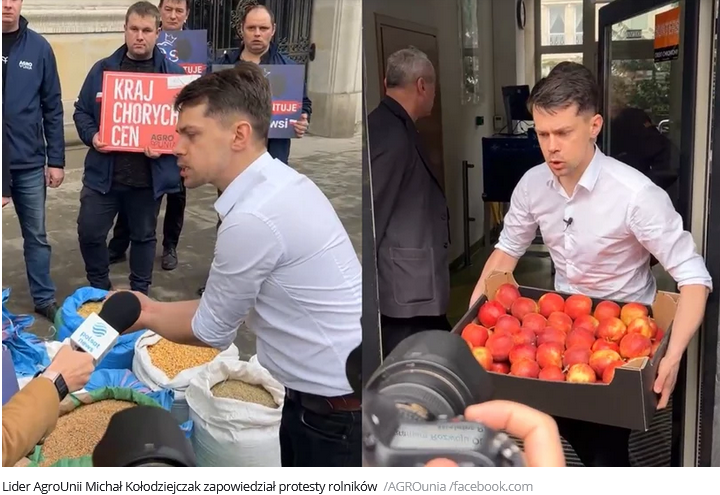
<point x="57" y="380"/>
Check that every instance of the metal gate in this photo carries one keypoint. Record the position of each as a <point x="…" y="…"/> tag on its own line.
<point x="292" y="17"/>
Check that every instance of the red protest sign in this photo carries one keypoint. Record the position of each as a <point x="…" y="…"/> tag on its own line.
<point x="137" y="111"/>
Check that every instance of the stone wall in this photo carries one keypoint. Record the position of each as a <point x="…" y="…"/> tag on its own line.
<point x="82" y="32"/>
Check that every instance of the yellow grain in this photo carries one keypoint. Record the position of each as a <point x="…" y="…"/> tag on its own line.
<point x="78" y="432"/>
<point x="174" y="358"/>
<point x="90" y="307"/>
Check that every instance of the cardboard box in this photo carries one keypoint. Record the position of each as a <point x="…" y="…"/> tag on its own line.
<point x="628" y="401"/>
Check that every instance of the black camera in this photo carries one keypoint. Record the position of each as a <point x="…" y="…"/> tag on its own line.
<point x="413" y="407"/>
<point x="143" y="436"/>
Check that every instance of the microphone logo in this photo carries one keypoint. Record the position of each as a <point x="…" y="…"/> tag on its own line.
<point x="98" y="329"/>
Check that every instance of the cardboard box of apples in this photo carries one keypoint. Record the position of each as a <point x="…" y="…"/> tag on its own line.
<point x="570" y="355"/>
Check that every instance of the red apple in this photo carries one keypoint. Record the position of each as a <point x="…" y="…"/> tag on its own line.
<point x="502" y="368"/>
<point x="609" y="372"/>
<point x="654" y="349"/>
<point x="631" y="311"/>
<point x="561" y="321"/>
<point x="635" y="345"/>
<point x="523" y="306"/>
<point x="525" y="368"/>
<point x="483" y="356"/>
<point x="642" y="326"/>
<point x="653" y="326"/>
<point x="550" y="354"/>
<point x="580" y="337"/>
<point x="535" y="322"/>
<point x="602" y="344"/>
<point x="575" y="355"/>
<point x="489" y="313"/>
<point x="587" y="322"/>
<point x="581" y="373"/>
<point x="500" y="346"/>
<point x="578" y="305"/>
<point x="506" y="295"/>
<point x="659" y="335"/>
<point x="475" y="334"/>
<point x="550" y="303"/>
<point x="607" y="309"/>
<point x="507" y="325"/>
<point x="552" y="374"/>
<point x="602" y="359"/>
<point x="525" y="336"/>
<point x="612" y="329"/>
<point x="521" y="352"/>
<point x="552" y="335"/>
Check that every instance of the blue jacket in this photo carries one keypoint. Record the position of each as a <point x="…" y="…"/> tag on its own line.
<point x="33" y="103"/>
<point x="278" y="148"/>
<point x="99" y="166"/>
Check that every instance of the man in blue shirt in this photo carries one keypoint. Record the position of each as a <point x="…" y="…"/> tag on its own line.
<point x="34" y="141"/>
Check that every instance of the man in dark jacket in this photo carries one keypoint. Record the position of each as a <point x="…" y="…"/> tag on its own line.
<point x="131" y="183"/>
<point x="33" y="111"/>
<point x="173" y="14"/>
<point x="257" y="28"/>
<point x="411" y="214"/>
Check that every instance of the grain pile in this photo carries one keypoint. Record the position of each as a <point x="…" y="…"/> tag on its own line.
<point x="246" y="392"/>
<point x="78" y="432"/>
<point x="174" y="358"/>
<point x="90" y="307"/>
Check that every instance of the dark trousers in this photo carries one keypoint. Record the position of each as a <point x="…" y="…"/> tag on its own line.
<point x="596" y="445"/>
<point x="395" y="330"/>
<point x="309" y="439"/>
<point x="172" y="225"/>
<point x="97" y="212"/>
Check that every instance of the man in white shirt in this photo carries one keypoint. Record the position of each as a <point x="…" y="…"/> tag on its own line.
<point x="600" y="220"/>
<point x="283" y="264"/>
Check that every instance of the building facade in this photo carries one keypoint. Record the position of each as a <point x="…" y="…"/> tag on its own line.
<point x="82" y="32"/>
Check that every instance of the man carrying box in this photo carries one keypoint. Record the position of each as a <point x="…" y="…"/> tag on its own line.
<point x="123" y="182"/>
<point x="601" y="220"/>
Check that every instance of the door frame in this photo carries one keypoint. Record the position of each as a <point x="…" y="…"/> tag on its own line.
<point x="711" y="324"/>
<point x="618" y="11"/>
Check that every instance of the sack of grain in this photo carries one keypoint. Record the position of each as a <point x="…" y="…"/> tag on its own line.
<point x="161" y="364"/>
<point x="236" y="410"/>
<point x="83" y="420"/>
<point x="80" y="305"/>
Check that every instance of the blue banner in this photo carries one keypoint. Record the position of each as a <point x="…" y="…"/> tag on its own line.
<point x="188" y="48"/>
<point x="287" y="83"/>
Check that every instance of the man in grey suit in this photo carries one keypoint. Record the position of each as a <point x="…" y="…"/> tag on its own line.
<point x="411" y="214"/>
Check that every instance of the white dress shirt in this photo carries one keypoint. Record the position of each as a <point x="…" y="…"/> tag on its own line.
<point x="285" y="266"/>
<point x="617" y="217"/>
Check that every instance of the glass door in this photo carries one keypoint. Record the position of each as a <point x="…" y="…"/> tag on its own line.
<point x="647" y="52"/>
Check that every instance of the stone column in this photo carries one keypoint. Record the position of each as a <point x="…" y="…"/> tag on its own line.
<point x="335" y="76"/>
<point x="81" y="32"/>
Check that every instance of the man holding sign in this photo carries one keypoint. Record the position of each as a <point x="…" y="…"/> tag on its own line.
<point x="257" y="28"/>
<point x="131" y="182"/>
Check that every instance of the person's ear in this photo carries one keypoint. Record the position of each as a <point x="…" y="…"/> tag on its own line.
<point x="242" y="135"/>
<point x="596" y="124"/>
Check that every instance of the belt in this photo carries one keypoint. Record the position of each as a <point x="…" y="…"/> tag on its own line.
<point x="325" y="405"/>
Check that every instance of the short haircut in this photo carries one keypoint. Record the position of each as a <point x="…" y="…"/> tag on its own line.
<point x="187" y="3"/>
<point x="243" y="90"/>
<point x="143" y="9"/>
<point x="244" y="8"/>
<point x="568" y="84"/>
<point x="407" y="66"/>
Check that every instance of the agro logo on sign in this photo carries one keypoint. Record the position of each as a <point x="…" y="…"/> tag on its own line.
<point x="99" y="329"/>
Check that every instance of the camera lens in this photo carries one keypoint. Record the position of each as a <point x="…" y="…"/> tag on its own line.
<point x="431" y="375"/>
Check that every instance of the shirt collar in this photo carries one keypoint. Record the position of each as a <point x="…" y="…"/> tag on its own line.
<point x="241" y="185"/>
<point x="590" y="176"/>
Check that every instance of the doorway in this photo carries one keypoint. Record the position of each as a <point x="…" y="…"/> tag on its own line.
<point x="647" y="69"/>
<point x="393" y="35"/>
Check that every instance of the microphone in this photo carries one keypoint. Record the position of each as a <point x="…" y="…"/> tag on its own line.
<point x="98" y="333"/>
<point x="568" y="222"/>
